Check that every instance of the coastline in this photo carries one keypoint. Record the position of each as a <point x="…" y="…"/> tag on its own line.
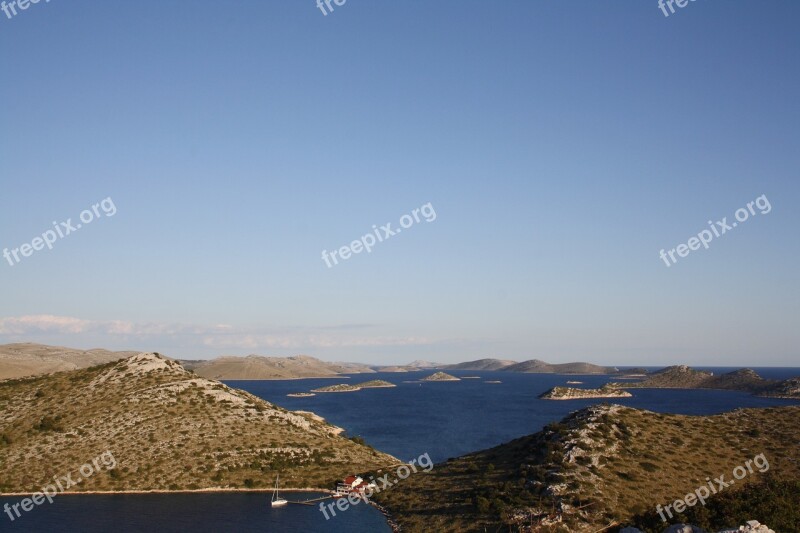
<point x="213" y="490"/>
<point x="356" y="389"/>
<point x="216" y="490"/>
<point x="337" y="376"/>
<point x="591" y="397"/>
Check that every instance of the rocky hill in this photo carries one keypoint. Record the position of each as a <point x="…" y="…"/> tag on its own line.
<point x="30" y="359"/>
<point x="259" y="367"/>
<point x="745" y="379"/>
<point x="673" y="377"/>
<point x="338" y="387"/>
<point x="783" y="389"/>
<point x="348" y="387"/>
<point x="606" y="467"/>
<point x="536" y="366"/>
<point x="394" y="369"/>
<point x="481" y="364"/>
<point x="375" y="384"/>
<point x="440" y="376"/>
<point x="420" y="364"/>
<point x="167" y="429"/>
<point x="571" y="393"/>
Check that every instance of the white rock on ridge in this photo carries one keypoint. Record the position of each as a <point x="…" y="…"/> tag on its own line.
<point x="752" y="526"/>
<point x="684" y="528"/>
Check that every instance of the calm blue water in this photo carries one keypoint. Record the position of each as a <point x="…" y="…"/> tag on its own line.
<point x="182" y="513"/>
<point x="448" y="419"/>
<point x="442" y="419"/>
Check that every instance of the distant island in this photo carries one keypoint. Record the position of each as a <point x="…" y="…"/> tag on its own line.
<point x="571" y="393"/>
<point x="410" y="367"/>
<point x="440" y="376"/>
<point x="534" y="366"/>
<point x="481" y="364"/>
<point x="30" y="359"/>
<point x="300" y="394"/>
<point x="745" y="380"/>
<point x="393" y="369"/>
<point x="346" y="387"/>
<point x="375" y="384"/>
<point x="257" y="367"/>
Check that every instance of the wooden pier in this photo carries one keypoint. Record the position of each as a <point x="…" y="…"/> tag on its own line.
<point x="312" y="502"/>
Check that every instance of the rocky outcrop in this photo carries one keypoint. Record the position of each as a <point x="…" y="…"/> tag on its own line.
<point x="743" y="379"/>
<point x="672" y="377"/>
<point x="571" y="393"/>
<point x="440" y="376"/>
<point x="784" y="389"/>
<point x="752" y="526"/>
<point x="339" y="387"/>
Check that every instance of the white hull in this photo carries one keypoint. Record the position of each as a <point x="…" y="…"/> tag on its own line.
<point x="277" y="501"/>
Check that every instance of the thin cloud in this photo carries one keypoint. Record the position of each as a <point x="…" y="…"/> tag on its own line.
<point x="219" y="336"/>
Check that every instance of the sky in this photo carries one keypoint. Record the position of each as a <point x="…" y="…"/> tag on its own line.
<point x="218" y="149"/>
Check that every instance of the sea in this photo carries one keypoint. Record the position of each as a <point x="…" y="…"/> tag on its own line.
<point x="437" y="420"/>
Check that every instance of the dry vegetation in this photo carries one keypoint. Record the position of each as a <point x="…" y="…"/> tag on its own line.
<point x="168" y="430"/>
<point x="600" y="466"/>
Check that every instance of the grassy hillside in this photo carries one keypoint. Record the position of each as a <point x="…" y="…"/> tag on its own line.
<point x="598" y="467"/>
<point x="167" y="429"/>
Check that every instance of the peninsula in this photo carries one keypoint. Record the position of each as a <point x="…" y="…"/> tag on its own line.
<point x="148" y="411"/>
<point x="609" y="464"/>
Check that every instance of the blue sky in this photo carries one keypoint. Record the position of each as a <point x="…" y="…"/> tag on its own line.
<point x="561" y="144"/>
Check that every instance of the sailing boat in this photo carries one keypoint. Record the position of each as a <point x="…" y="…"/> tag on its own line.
<point x="277" y="501"/>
